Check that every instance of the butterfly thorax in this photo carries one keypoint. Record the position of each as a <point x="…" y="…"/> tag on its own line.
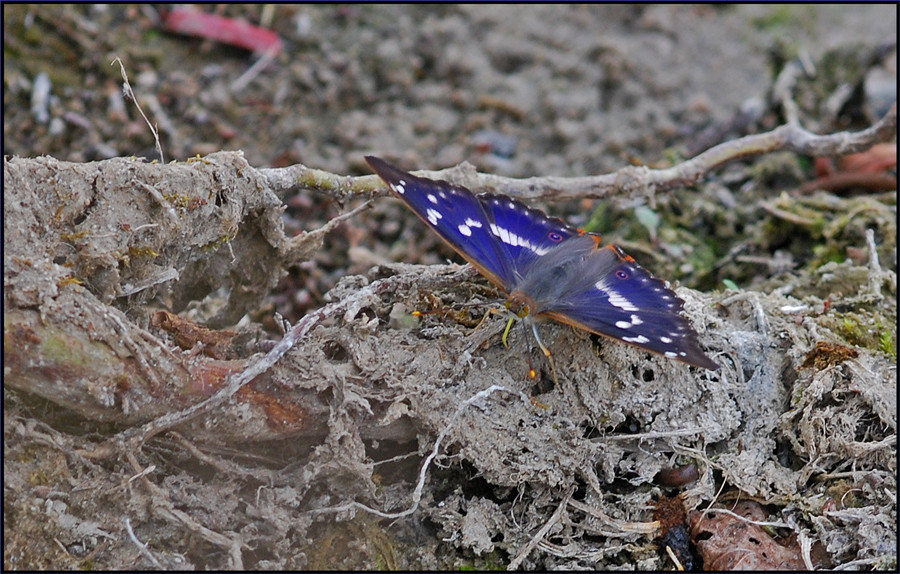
<point x="547" y="281"/>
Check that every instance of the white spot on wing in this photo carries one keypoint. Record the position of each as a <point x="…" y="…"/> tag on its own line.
<point x="433" y="216"/>
<point x="473" y="223"/>
<point x="639" y="340"/>
<point x="465" y="230"/>
<point x="432" y="198"/>
<point x="514" y="240"/>
<point x="500" y="232"/>
<point x="398" y="187"/>
<point x="615" y="298"/>
<point x="624" y="325"/>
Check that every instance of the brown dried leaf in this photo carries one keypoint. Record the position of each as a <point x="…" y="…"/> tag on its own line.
<point x="726" y="542"/>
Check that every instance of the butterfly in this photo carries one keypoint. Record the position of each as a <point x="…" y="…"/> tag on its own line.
<point x="550" y="270"/>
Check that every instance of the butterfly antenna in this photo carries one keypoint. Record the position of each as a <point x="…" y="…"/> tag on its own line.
<point x="442" y="310"/>
<point x="445" y="310"/>
<point x="532" y="374"/>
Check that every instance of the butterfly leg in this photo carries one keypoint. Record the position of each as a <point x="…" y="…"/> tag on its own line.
<point x="540" y="343"/>
<point x="531" y="371"/>
<point x="546" y="352"/>
<point x="509" y="325"/>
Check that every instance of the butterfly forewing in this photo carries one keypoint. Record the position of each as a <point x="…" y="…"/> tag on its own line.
<point x="456" y="215"/>
<point x="525" y="233"/>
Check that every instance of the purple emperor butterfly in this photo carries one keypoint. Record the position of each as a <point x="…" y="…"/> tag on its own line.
<point x="549" y="269"/>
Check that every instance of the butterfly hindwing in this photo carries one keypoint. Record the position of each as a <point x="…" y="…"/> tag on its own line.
<point x="456" y="215"/>
<point x="615" y="297"/>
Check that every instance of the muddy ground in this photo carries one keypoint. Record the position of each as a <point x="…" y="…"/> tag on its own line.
<point x="134" y="290"/>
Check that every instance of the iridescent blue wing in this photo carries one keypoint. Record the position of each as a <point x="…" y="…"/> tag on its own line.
<point x="604" y="291"/>
<point x="552" y="269"/>
<point x="526" y="233"/>
<point x="457" y="216"/>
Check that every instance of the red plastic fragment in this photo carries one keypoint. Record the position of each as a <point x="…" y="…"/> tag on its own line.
<point x="239" y="33"/>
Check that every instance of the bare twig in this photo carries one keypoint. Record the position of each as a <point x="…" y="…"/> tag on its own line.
<point x="626" y="181"/>
<point x="876" y="275"/>
<point x="654" y="435"/>
<point x="783" y="87"/>
<point x="674" y="558"/>
<point x="164" y="508"/>
<point x="222" y="466"/>
<point x="806" y="544"/>
<point x="747" y="520"/>
<point x="622" y="527"/>
<point x="130" y="439"/>
<point x="526" y="550"/>
<point x="129" y="93"/>
<point x="137" y="435"/>
<point x="264" y="60"/>
<point x="141" y="546"/>
<point x="308" y="243"/>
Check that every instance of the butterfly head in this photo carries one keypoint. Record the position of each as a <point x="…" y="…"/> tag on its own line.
<point x="520" y="304"/>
